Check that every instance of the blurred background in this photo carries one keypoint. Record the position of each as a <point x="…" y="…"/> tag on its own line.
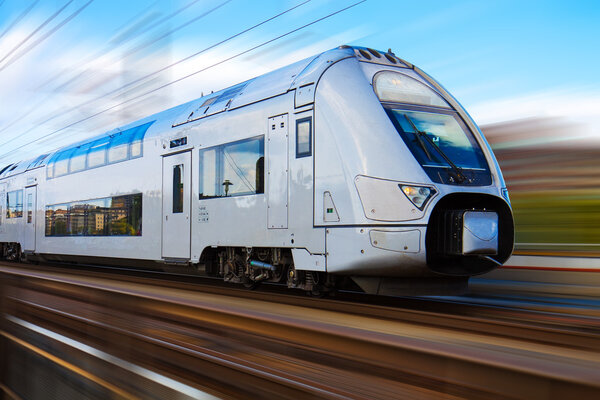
<point x="526" y="71"/>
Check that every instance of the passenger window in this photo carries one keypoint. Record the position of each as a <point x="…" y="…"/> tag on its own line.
<point x="178" y="189"/>
<point x="118" y="148"/>
<point x="110" y="216"/>
<point x="303" y="137"/>
<point x="61" y="165"/>
<point x="97" y="153"/>
<point x="208" y="173"/>
<point x="78" y="158"/>
<point x="14" y="204"/>
<point x="233" y="169"/>
<point x="136" y="148"/>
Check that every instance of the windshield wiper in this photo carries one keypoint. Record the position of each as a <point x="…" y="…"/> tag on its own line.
<point x="420" y="134"/>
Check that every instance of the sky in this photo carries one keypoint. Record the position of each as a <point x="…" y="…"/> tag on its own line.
<point x="71" y="69"/>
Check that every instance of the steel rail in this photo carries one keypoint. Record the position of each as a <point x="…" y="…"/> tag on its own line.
<point x="243" y="347"/>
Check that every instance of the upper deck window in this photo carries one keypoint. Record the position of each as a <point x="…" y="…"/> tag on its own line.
<point x="118" y="147"/>
<point x="395" y="87"/>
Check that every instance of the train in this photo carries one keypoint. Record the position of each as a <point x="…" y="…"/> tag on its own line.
<point x="351" y="169"/>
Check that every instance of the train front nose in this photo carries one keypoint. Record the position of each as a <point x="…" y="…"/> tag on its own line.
<point x="469" y="234"/>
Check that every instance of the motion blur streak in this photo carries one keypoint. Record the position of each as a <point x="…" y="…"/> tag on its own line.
<point x="553" y="176"/>
<point x="243" y="344"/>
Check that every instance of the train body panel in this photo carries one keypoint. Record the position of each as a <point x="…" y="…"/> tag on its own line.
<point x="311" y="173"/>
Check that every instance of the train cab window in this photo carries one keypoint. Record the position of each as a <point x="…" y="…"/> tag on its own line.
<point x="233" y="169"/>
<point x="177" y="189"/>
<point x="97" y="153"/>
<point x="14" y="204"/>
<point x="303" y="137"/>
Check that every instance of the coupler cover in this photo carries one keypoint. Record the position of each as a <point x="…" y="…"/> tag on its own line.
<point x="470" y="232"/>
<point x="480" y="232"/>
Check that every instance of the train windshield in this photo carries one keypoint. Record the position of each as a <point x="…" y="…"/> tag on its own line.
<point x="443" y="146"/>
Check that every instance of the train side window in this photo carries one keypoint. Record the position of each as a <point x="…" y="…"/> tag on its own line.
<point x="208" y="173"/>
<point x="177" y="189"/>
<point x="109" y="216"/>
<point x="118" y="149"/>
<point x="61" y="164"/>
<point x="135" y="148"/>
<point x="304" y="137"/>
<point x="97" y="153"/>
<point x="78" y="159"/>
<point x="14" y="204"/>
<point x="233" y="169"/>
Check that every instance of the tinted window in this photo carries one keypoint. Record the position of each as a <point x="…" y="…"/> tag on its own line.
<point x="110" y="216"/>
<point x="178" y="189"/>
<point x="14" y="204"/>
<point x="232" y="169"/>
<point x="97" y="154"/>
<point x="61" y="165"/>
<point x="443" y="146"/>
<point x="29" y="208"/>
<point x="118" y="149"/>
<point x="78" y="158"/>
<point x="110" y="149"/>
<point x="303" y="137"/>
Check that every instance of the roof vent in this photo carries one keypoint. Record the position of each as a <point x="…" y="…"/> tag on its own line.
<point x="364" y="54"/>
<point x="375" y="53"/>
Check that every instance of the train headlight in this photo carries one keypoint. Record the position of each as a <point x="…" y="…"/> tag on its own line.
<point x="418" y="195"/>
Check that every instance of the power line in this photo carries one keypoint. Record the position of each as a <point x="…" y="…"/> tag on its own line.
<point x="85" y="103"/>
<point x="19" y="18"/>
<point x="47" y="35"/>
<point x="204" y="14"/>
<point x="27" y="112"/>
<point x="184" y="77"/>
<point x="46" y="22"/>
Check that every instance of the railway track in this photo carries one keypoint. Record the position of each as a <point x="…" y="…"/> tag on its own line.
<point x="136" y="335"/>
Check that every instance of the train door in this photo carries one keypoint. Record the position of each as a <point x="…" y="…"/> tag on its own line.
<point x="277" y="172"/>
<point x="30" y="213"/>
<point x="177" y="179"/>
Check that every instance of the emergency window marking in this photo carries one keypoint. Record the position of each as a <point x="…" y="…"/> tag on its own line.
<point x="303" y="137"/>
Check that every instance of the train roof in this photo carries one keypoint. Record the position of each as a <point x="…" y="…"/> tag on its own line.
<point x="280" y="81"/>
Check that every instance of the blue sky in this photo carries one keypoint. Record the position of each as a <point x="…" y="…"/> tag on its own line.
<point x="502" y="59"/>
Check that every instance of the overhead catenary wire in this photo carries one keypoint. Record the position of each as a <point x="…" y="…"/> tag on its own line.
<point x="54" y="116"/>
<point x="118" y="41"/>
<point x="19" y="18"/>
<point x="47" y="35"/>
<point x="182" y="78"/>
<point x="35" y="31"/>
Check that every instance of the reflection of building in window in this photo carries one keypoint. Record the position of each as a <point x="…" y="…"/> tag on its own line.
<point x="233" y="169"/>
<point x="111" y="216"/>
<point x="14" y="204"/>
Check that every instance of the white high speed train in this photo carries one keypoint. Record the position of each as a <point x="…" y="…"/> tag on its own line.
<point x="352" y="168"/>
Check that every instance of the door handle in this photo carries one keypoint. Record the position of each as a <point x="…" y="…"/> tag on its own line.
<point x="167" y="217"/>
